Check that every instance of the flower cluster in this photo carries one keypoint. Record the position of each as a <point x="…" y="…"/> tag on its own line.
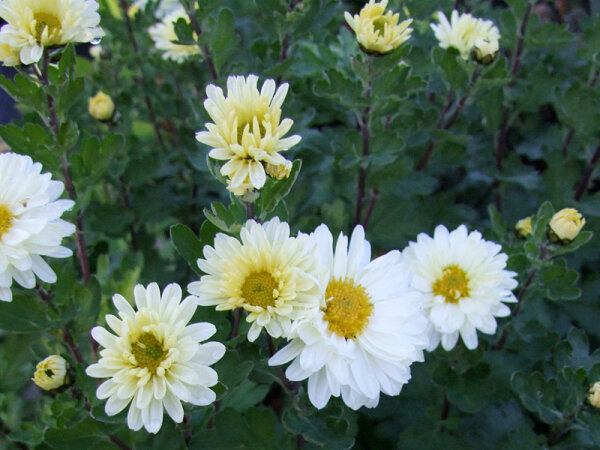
<point x="32" y="25"/>
<point x="355" y="325"/>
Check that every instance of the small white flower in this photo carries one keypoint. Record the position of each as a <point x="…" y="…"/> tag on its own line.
<point x="155" y="360"/>
<point x="247" y="131"/>
<point x="30" y="224"/>
<point x="163" y="34"/>
<point x="369" y="330"/>
<point x="33" y="25"/>
<point x="464" y="281"/>
<point x="463" y="31"/>
<point x="270" y="274"/>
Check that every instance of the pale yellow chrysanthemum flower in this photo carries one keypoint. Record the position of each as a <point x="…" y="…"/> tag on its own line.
<point x="163" y="34"/>
<point x="566" y="224"/>
<point x="594" y="395"/>
<point x="9" y="55"/>
<point x="155" y="359"/>
<point x="463" y="31"/>
<point x="50" y="373"/>
<point x="33" y="25"/>
<point x="272" y="275"/>
<point x="377" y="30"/>
<point x="247" y="131"/>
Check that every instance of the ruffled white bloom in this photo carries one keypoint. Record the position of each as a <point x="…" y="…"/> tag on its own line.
<point x="270" y="274"/>
<point x="369" y="330"/>
<point x="463" y="280"/>
<point x="165" y="7"/>
<point x="155" y="360"/>
<point x="463" y="31"/>
<point x="30" y="224"/>
<point x="378" y="30"/>
<point x="163" y="34"/>
<point x="247" y="131"/>
<point x="33" y="25"/>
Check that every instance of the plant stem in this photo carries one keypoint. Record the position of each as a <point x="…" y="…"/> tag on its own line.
<point x="237" y="317"/>
<point x="140" y="77"/>
<point x="68" y="340"/>
<point x="190" y="10"/>
<point x="362" y="171"/>
<point x="587" y="175"/>
<point x="514" y="67"/>
<point x="54" y="128"/>
<point x="500" y="344"/>
<point x="372" y="202"/>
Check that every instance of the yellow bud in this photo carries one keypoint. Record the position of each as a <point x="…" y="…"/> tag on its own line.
<point x="485" y="51"/>
<point x="96" y="52"/>
<point x="594" y="395"/>
<point x="523" y="227"/>
<point x="101" y="106"/>
<point x="566" y="224"/>
<point x="50" y="373"/>
<point x="279" y="171"/>
<point x="133" y="10"/>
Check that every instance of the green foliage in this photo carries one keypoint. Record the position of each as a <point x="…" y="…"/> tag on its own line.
<point x="513" y="139"/>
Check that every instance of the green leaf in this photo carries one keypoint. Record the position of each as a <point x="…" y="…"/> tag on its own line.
<point x="223" y="40"/>
<point x="275" y="190"/>
<point x="187" y="245"/>
<point x="538" y="395"/>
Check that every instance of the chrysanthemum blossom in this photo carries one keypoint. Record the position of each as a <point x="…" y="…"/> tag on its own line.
<point x="30" y="224"/>
<point x="464" y="31"/>
<point x="33" y="25"/>
<point x="154" y="359"/>
<point x="247" y="130"/>
<point x="50" y="373"/>
<point x="269" y="273"/>
<point x="163" y="34"/>
<point x="378" y="30"/>
<point x="464" y="282"/>
<point x="368" y="331"/>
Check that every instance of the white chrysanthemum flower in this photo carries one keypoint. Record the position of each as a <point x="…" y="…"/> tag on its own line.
<point x="270" y="274"/>
<point x="377" y="30"/>
<point x="33" y="25"/>
<point x="464" y="282"/>
<point x="463" y="31"/>
<point x="369" y="330"/>
<point x="247" y="131"/>
<point x="30" y="224"/>
<point x="155" y="360"/>
<point x="163" y="34"/>
<point x="165" y="7"/>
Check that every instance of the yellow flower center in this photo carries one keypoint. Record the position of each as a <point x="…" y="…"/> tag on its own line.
<point x="45" y="20"/>
<point x="348" y="308"/>
<point x="379" y="25"/>
<point x="453" y="285"/>
<point x="260" y="289"/>
<point x="148" y="352"/>
<point x="6" y="220"/>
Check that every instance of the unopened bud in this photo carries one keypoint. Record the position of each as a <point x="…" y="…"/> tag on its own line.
<point x="279" y="171"/>
<point x="523" y="227"/>
<point x="101" y="106"/>
<point x="594" y="395"/>
<point x="565" y="225"/>
<point x="485" y="51"/>
<point x="50" y="373"/>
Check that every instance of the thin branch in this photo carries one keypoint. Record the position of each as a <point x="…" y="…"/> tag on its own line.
<point x="190" y="10"/>
<point x="140" y="76"/>
<point x="237" y="317"/>
<point x="362" y="172"/>
<point x="371" y="207"/>
<point x="68" y="340"/>
<point x="587" y="175"/>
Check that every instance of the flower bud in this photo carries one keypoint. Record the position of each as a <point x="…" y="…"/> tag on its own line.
<point x="101" y="106"/>
<point x="523" y="227"/>
<point x="96" y="52"/>
<point x="279" y="171"/>
<point x="594" y="395"/>
<point x="566" y="224"/>
<point x="485" y="51"/>
<point x="50" y="373"/>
